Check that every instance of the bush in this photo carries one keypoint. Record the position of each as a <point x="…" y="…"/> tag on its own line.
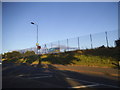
<point x="29" y="53"/>
<point x="107" y="57"/>
<point x="32" y="58"/>
<point x="13" y="54"/>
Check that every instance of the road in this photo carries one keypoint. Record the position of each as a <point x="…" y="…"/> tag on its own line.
<point x="0" y="76"/>
<point x="49" y="76"/>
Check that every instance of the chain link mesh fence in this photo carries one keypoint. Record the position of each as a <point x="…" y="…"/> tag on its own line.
<point x="91" y="41"/>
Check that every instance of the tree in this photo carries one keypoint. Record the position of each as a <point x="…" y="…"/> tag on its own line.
<point x="29" y="53"/>
<point x="13" y="54"/>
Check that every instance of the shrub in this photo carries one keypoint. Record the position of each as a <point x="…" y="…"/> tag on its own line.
<point x="29" y="53"/>
<point x="13" y="54"/>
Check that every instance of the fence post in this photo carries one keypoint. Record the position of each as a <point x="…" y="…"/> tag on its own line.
<point x="78" y="44"/>
<point x="67" y="45"/>
<point x="106" y="38"/>
<point x="51" y="45"/>
<point x="91" y="41"/>
<point x="45" y="48"/>
<point x="59" y="44"/>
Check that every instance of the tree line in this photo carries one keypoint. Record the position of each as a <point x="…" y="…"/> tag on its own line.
<point x="17" y="54"/>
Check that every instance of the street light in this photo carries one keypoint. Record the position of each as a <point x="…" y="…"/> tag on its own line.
<point x="37" y="44"/>
<point x="37" y="36"/>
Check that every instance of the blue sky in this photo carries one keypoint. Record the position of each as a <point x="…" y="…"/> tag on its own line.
<point x="56" y="21"/>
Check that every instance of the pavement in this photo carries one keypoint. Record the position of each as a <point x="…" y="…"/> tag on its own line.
<point x="93" y="70"/>
<point x="52" y="76"/>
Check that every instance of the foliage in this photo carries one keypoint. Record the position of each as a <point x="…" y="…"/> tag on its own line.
<point x="104" y="57"/>
<point x="13" y="54"/>
<point x="103" y="52"/>
<point x="95" y="61"/>
<point x="29" y="53"/>
<point x="62" y="58"/>
<point x="16" y="57"/>
<point x="30" y="59"/>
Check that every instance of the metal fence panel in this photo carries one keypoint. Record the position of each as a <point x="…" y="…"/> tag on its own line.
<point x="82" y="42"/>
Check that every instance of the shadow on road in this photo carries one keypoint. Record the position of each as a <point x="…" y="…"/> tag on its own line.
<point x="59" y="79"/>
<point x="81" y="77"/>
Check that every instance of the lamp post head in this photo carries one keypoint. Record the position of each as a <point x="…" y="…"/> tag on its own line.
<point x="32" y="23"/>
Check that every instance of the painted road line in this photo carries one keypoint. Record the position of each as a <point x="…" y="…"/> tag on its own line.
<point x="85" y="86"/>
<point x="20" y="75"/>
<point x="32" y="75"/>
<point x="95" y="83"/>
<point x="83" y="81"/>
<point x="40" y="74"/>
<point x="109" y="86"/>
<point x="39" y="77"/>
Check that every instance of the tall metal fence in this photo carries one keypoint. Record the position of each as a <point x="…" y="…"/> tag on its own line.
<point x="90" y="41"/>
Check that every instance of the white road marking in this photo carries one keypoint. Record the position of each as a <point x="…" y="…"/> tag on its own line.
<point x="94" y="83"/>
<point x="84" y="86"/>
<point x="40" y="77"/>
<point x="83" y="81"/>
<point x="20" y="75"/>
<point x="32" y="75"/>
<point x="41" y="74"/>
<point x="35" y="77"/>
<point x="110" y="86"/>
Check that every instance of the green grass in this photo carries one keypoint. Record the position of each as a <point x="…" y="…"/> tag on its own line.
<point x="84" y="60"/>
<point x="95" y="61"/>
<point x="102" y="57"/>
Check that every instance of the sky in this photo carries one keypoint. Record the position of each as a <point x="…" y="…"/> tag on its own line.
<point x="0" y="28"/>
<point x="55" y="20"/>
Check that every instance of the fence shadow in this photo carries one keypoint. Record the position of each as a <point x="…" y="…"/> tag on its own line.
<point x="58" y="81"/>
<point x="78" y="78"/>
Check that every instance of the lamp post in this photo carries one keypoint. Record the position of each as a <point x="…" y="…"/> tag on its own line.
<point x="37" y="35"/>
<point x="37" y="44"/>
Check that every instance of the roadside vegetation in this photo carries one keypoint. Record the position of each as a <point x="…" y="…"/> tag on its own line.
<point x="16" y="57"/>
<point x="101" y="57"/>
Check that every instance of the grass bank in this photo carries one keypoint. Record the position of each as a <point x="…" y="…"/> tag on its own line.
<point x="101" y="57"/>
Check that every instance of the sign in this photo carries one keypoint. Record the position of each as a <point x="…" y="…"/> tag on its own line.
<point x="39" y="47"/>
<point x="37" y="44"/>
<point x="54" y="50"/>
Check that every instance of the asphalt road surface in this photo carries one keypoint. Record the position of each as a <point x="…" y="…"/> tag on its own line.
<point x="0" y="76"/>
<point x="49" y="76"/>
